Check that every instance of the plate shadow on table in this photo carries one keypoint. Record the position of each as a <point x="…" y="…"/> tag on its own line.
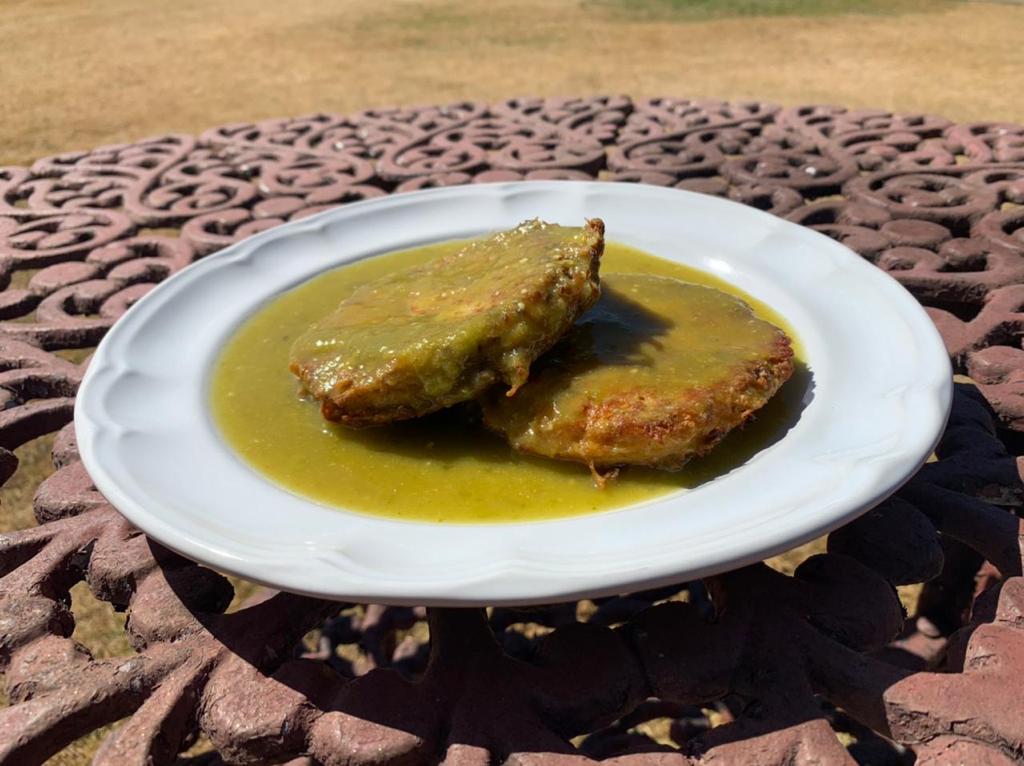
<point x="468" y="644"/>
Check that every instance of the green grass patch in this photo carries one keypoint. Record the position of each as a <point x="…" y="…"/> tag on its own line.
<point x="702" y="10"/>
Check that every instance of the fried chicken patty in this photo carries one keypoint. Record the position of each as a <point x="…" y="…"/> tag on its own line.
<point x="443" y="332"/>
<point x="657" y="373"/>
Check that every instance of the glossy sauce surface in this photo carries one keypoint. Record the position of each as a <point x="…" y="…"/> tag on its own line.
<point x="654" y="351"/>
<point x="429" y="323"/>
<point x="444" y="467"/>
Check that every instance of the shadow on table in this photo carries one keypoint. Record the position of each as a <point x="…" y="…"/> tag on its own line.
<point x="768" y="644"/>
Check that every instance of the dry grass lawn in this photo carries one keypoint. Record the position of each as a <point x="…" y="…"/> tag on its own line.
<point x="74" y="75"/>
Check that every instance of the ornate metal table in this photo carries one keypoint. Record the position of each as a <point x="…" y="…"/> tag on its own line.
<point x="750" y="667"/>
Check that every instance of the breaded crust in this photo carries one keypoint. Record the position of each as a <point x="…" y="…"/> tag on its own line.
<point x="656" y="374"/>
<point x="442" y="333"/>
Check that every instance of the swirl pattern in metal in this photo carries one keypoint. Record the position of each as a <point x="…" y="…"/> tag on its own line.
<point x="751" y="667"/>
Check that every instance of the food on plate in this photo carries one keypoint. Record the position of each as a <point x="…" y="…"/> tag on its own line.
<point x="441" y="333"/>
<point x="658" y="372"/>
<point x="444" y="467"/>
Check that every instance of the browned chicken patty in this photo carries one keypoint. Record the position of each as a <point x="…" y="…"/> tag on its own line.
<point x="658" y="372"/>
<point x="442" y="333"/>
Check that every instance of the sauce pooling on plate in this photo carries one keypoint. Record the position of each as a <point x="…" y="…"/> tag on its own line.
<point x="443" y="467"/>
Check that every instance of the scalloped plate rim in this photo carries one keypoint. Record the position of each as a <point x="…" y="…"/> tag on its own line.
<point x="367" y="558"/>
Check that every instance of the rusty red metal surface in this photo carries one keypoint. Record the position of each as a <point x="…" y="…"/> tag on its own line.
<point x="752" y="667"/>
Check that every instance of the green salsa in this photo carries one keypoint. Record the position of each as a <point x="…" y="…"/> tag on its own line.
<point x="440" y="468"/>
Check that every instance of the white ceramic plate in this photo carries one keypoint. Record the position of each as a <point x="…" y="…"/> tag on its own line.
<point x="878" y="402"/>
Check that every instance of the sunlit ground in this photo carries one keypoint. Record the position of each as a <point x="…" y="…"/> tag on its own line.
<point x="75" y="75"/>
